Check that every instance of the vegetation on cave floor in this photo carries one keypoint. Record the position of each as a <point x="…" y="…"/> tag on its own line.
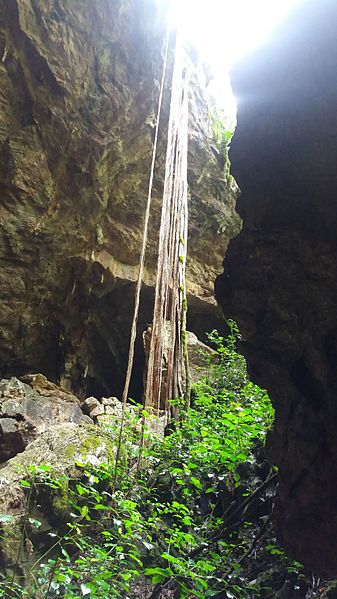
<point x="193" y="521"/>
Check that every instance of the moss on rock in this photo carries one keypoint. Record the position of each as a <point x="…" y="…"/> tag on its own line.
<point x="66" y="448"/>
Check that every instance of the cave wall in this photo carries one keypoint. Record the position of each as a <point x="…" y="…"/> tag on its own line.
<point x="79" y="84"/>
<point x="280" y="273"/>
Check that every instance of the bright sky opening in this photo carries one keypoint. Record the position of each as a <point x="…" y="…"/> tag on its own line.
<point x="224" y="31"/>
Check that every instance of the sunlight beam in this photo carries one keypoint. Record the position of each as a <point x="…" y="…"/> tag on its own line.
<point x="223" y="31"/>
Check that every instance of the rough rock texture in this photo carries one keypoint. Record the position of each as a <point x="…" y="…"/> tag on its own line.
<point x="198" y="354"/>
<point x="43" y="427"/>
<point x="61" y="447"/>
<point x="280" y="274"/>
<point x="79" y="88"/>
<point x="98" y="409"/>
<point x="32" y="405"/>
<point x="27" y="411"/>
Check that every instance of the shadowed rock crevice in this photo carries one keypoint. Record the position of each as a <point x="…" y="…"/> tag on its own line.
<point x="280" y="274"/>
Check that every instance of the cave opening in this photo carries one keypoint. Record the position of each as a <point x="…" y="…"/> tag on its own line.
<point x="223" y="33"/>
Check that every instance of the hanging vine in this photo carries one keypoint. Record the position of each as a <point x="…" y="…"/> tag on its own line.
<point x="167" y="360"/>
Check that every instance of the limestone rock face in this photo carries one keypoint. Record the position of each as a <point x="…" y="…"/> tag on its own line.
<point x="280" y="274"/>
<point x="79" y="89"/>
<point x="198" y="356"/>
<point x="61" y="447"/>
<point x="26" y="412"/>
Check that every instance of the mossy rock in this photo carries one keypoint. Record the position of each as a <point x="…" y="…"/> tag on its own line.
<point x="62" y="447"/>
<point x="66" y="448"/>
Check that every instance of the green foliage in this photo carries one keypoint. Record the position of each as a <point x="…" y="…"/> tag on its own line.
<point x="185" y="522"/>
<point x="222" y="132"/>
<point x="228" y="415"/>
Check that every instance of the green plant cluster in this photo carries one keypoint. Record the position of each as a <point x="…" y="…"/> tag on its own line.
<point x="222" y="134"/>
<point x="192" y="519"/>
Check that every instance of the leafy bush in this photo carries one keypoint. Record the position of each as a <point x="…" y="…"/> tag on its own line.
<point x="187" y="522"/>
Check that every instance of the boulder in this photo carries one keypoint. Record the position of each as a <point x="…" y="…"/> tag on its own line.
<point x="25" y="412"/>
<point x="63" y="447"/>
<point x="198" y="355"/>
